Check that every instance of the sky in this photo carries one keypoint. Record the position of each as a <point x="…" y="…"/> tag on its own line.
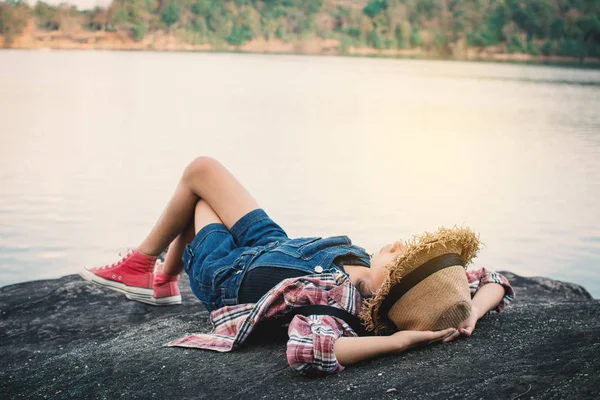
<point x="81" y="4"/>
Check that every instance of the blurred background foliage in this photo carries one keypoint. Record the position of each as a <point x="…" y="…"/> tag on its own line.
<point x="445" y="27"/>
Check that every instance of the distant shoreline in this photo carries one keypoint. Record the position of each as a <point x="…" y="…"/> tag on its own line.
<point x="163" y="42"/>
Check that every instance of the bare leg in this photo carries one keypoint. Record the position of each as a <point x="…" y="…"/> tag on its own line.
<point x="223" y="199"/>
<point x="204" y="178"/>
<point x="173" y="263"/>
<point x="204" y="215"/>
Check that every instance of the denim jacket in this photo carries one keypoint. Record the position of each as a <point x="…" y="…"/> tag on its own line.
<point x="312" y="255"/>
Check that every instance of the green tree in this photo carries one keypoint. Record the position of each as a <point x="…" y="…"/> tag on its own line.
<point x="375" y="40"/>
<point x="534" y="17"/>
<point x="220" y="22"/>
<point x="345" y="44"/>
<point x="139" y="30"/>
<point x="43" y="10"/>
<point x="515" y="45"/>
<point x="98" y="18"/>
<point x="353" y="32"/>
<point x="402" y="34"/>
<point x="571" y="48"/>
<point x="13" y="19"/>
<point x="120" y="16"/>
<point x="589" y="25"/>
<point x="342" y="17"/>
<point x="557" y="29"/>
<point x="381" y="23"/>
<point x="249" y="18"/>
<point x="532" y="48"/>
<point x="238" y="36"/>
<point x="440" y="41"/>
<point x="47" y="16"/>
<point x="415" y="37"/>
<point x="375" y="7"/>
<point x="282" y="33"/>
<point x="170" y="14"/>
<point x="269" y="27"/>
<point x="549" y="48"/>
<point x="198" y="24"/>
<point x="202" y="7"/>
<point x="427" y="8"/>
<point x="495" y="24"/>
<point x="312" y="6"/>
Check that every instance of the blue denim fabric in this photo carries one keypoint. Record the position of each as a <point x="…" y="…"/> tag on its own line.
<point x="217" y="259"/>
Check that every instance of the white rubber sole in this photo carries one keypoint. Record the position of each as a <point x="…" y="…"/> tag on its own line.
<point x="143" y="295"/>
<point x="117" y="286"/>
<point x="156" y="301"/>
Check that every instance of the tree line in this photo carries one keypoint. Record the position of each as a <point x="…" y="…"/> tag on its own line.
<point x="568" y="28"/>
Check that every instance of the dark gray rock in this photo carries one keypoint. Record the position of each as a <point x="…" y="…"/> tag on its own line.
<point x="538" y="289"/>
<point x="65" y="338"/>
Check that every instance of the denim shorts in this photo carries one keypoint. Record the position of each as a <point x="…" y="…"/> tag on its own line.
<point x="218" y="259"/>
<point x="213" y="257"/>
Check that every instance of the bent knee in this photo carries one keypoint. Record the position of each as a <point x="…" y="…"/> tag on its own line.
<point x="200" y="166"/>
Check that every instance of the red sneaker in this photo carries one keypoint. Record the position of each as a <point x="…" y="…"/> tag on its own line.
<point x="132" y="275"/>
<point x="166" y="291"/>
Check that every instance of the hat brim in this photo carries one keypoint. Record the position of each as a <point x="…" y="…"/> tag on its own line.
<point x="418" y="251"/>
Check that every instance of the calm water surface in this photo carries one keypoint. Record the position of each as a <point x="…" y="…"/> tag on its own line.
<point x="93" y="143"/>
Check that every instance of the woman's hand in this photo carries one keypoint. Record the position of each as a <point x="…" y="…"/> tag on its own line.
<point x="409" y="339"/>
<point x="487" y="298"/>
<point x="466" y="327"/>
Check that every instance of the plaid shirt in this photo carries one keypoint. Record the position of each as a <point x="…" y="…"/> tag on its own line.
<point x="310" y="348"/>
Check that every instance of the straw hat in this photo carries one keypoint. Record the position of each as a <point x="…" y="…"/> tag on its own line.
<point x="426" y="287"/>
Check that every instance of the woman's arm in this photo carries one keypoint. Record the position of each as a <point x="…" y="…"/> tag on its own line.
<point x="350" y="350"/>
<point x="490" y="291"/>
<point x="323" y="344"/>
<point x="486" y="299"/>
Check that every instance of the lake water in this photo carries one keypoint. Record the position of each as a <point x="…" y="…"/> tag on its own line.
<point x="93" y="143"/>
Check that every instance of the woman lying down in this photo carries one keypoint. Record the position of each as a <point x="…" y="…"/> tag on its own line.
<point x="340" y="304"/>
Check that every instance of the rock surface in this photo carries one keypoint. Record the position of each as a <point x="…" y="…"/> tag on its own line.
<point x="65" y="338"/>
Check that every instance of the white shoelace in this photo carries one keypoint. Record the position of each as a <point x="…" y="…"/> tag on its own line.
<point x="123" y="253"/>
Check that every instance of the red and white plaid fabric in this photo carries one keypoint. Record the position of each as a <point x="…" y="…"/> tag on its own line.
<point x="310" y="348"/>
<point x="479" y="277"/>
